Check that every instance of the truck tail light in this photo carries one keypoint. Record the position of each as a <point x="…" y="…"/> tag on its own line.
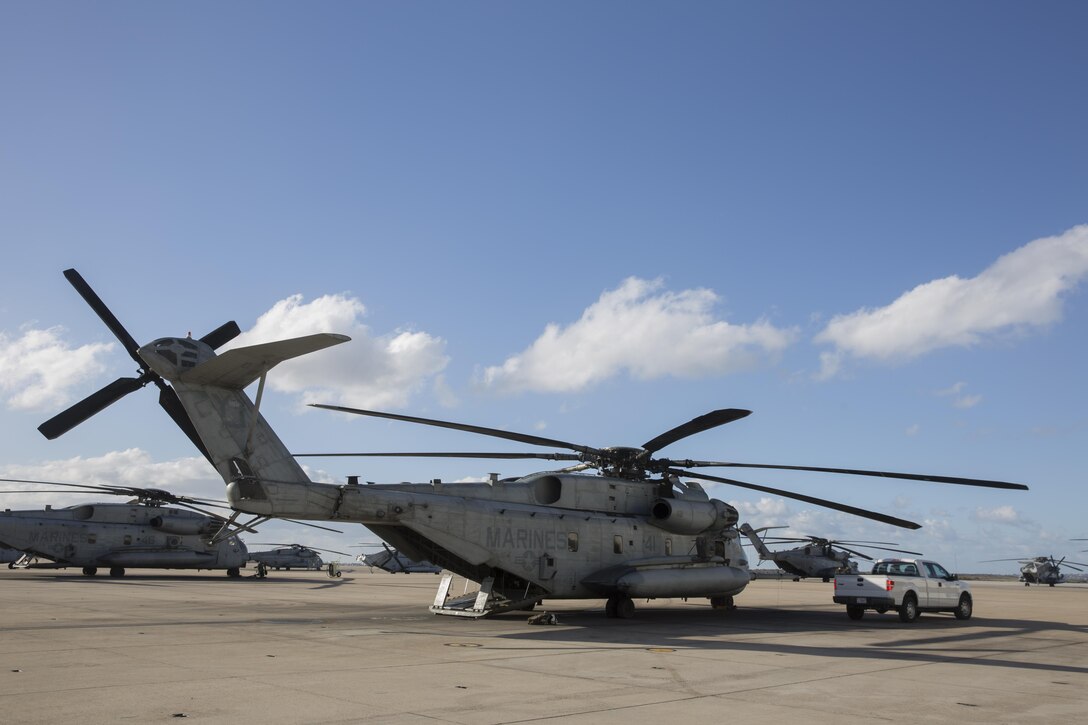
<point x="891" y="584"/>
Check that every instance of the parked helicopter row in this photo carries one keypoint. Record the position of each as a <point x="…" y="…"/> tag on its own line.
<point x="1044" y="569"/>
<point x="155" y="530"/>
<point x="640" y="526"/>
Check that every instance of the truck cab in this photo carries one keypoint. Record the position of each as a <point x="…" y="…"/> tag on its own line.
<point x="909" y="586"/>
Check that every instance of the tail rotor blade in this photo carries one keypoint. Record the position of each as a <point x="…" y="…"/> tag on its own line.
<point x="103" y="312"/>
<point x="171" y="403"/>
<point x="94" y="403"/>
<point x="222" y="335"/>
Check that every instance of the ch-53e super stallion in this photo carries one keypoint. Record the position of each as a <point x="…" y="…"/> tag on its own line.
<point x="291" y="556"/>
<point x="1043" y="569"/>
<point x="816" y="556"/>
<point x="155" y="530"/>
<point x="641" y="527"/>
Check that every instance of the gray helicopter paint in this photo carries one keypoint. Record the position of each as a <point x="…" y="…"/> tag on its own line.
<point x="120" y="535"/>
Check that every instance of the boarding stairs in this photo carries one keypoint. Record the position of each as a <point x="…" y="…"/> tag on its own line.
<point x="478" y="604"/>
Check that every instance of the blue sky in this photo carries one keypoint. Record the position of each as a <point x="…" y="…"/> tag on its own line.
<point x="587" y="221"/>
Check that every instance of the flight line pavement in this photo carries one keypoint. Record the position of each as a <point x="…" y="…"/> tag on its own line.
<point x="299" y="647"/>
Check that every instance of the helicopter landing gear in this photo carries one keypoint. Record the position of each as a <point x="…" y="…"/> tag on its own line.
<point x="722" y="603"/>
<point x="262" y="570"/>
<point x="116" y="572"/>
<point x="90" y="570"/>
<point x="233" y="572"/>
<point x="619" y="606"/>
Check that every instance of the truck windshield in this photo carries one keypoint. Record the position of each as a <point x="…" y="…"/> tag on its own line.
<point x="901" y="568"/>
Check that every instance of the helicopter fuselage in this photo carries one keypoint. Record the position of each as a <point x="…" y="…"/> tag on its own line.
<point x="121" y="536"/>
<point x="555" y="534"/>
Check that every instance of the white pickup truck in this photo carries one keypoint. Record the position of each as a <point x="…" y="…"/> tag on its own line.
<point x="909" y="586"/>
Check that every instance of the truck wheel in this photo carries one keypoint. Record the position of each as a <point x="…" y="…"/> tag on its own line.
<point x="963" y="609"/>
<point x="855" y="612"/>
<point x="909" y="611"/>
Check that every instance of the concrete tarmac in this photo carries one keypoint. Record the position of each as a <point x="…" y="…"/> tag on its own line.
<point x="299" y="647"/>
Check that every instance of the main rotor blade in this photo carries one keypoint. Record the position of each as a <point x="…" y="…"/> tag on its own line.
<point x="696" y="425"/>
<point x="30" y="490"/>
<point x="96" y="303"/>
<point x="853" y="510"/>
<point x="885" y="543"/>
<point x="494" y="432"/>
<point x="856" y="553"/>
<point x="94" y="403"/>
<point x="92" y="487"/>
<point x="171" y="403"/>
<point x="314" y="526"/>
<point x="857" y="472"/>
<point x="884" y="548"/>
<point x="510" y="456"/>
<point x="222" y="335"/>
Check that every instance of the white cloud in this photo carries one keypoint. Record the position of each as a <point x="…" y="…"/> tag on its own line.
<point x="644" y="330"/>
<point x="130" y="467"/>
<point x="959" y="399"/>
<point x="765" y="510"/>
<point x="370" y="371"/>
<point x="38" y="368"/>
<point x="1021" y="290"/>
<point x="999" y="514"/>
<point x="967" y="401"/>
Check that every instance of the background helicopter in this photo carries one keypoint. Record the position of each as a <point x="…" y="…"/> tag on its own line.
<point x="1043" y="569"/>
<point x="817" y="556"/>
<point x="144" y="533"/>
<point x="637" y="528"/>
<point x="291" y="556"/>
<point x="394" y="562"/>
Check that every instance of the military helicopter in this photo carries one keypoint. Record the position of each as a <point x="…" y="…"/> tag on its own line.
<point x="394" y="562"/>
<point x="291" y="556"/>
<point x="640" y="527"/>
<point x="144" y="533"/>
<point x="817" y="556"/>
<point x="1043" y="569"/>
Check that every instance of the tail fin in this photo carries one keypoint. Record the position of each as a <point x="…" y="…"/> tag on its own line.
<point x="753" y="536"/>
<point x="240" y="443"/>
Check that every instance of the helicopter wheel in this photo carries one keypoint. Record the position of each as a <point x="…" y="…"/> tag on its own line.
<point x="233" y="572"/>
<point x="1051" y="585"/>
<point x="620" y="606"/>
<point x="721" y="602"/>
<point x="90" y="571"/>
<point x="117" y="571"/>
